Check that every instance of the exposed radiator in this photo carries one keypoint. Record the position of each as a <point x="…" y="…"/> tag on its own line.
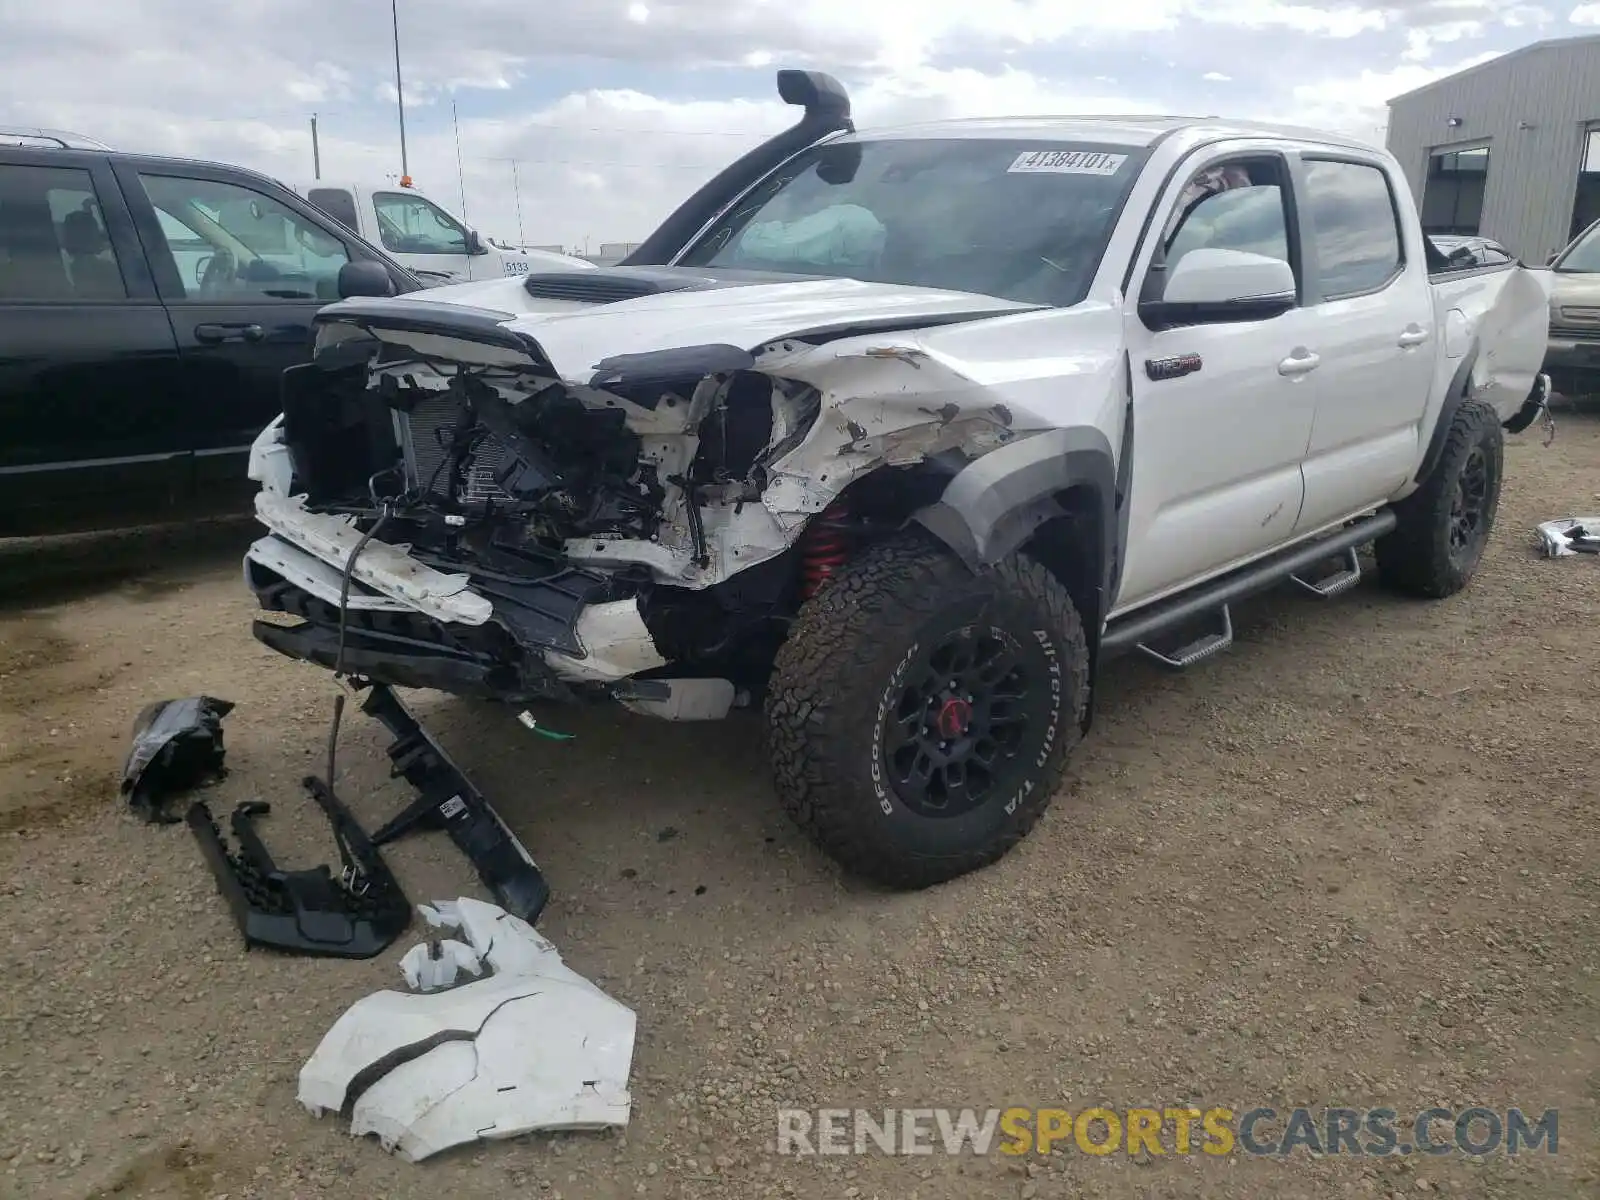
<point x="425" y="433"/>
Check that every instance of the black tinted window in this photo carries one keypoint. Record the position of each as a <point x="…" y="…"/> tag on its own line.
<point x="1354" y="226"/>
<point x="233" y="244"/>
<point x="53" y="243"/>
<point x="338" y="204"/>
<point x="1021" y="220"/>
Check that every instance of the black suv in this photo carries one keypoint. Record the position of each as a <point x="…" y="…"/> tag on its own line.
<point x="148" y="309"/>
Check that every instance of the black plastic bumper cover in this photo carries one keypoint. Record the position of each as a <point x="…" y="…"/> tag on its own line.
<point x="400" y="662"/>
<point x="354" y="915"/>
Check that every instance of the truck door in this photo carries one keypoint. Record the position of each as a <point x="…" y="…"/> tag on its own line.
<point x="243" y="268"/>
<point x="425" y="238"/>
<point x="1379" y="345"/>
<point x="1219" y="437"/>
<point x="91" y="416"/>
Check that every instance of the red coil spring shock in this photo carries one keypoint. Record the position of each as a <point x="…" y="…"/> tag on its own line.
<point x="824" y="547"/>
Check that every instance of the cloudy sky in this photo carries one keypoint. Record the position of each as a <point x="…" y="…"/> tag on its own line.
<point x="616" y="109"/>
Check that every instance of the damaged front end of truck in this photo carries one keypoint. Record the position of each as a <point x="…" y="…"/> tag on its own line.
<point x="454" y="504"/>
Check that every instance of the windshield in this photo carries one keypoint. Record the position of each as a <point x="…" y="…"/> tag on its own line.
<point x="1021" y="220"/>
<point x="1584" y="254"/>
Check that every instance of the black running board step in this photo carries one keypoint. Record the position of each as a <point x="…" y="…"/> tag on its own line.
<point x="1336" y="584"/>
<point x="1126" y="633"/>
<point x="1196" y="651"/>
<point x="448" y="801"/>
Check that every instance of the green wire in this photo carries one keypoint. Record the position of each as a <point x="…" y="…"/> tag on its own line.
<point x="528" y="720"/>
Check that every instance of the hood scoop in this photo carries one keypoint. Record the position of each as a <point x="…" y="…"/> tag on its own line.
<point x="608" y="285"/>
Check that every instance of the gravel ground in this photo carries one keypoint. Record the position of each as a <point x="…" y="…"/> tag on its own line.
<point x="1352" y="862"/>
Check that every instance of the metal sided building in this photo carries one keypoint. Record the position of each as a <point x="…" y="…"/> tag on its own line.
<point x="1509" y="149"/>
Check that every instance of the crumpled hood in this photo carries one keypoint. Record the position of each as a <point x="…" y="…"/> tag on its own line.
<point x="746" y="316"/>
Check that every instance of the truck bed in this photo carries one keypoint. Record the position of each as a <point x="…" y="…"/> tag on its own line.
<point x="1498" y="316"/>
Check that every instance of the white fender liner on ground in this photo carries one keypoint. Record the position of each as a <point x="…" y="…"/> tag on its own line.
<point x="533" y="1046"/>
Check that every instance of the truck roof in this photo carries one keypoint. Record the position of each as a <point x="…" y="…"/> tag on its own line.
<point x="1129" y="130"/>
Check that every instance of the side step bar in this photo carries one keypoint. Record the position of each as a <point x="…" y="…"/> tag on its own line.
<point x="1196" y="651"/>
<point x="1336" y="584"/>
<point x="1134" y="631"/>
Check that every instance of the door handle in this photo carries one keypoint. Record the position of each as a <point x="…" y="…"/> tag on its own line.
<point x="1301" y="362"/>
<point x="240" y="331"/>
<point x="1412" y="338"/>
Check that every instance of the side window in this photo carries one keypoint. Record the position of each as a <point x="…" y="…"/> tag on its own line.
<point x="412" y="225"/>
<point x="53" y="243"/>
<point x="338" y="204"/>
<point x="189" y="250"/>
<point x="233" y="244"/>
<point x="1231" y="206"/>
<point x="1354" y="226"/>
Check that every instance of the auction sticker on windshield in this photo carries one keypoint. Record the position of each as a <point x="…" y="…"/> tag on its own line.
<point x="1067" y="162"/>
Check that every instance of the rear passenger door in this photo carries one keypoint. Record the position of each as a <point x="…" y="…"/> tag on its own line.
<point x="92" y="417"/>
<point x="1377" y="336"/>
<point x="243" y="268"/>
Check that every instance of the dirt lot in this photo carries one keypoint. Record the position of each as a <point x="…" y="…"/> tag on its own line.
<point x="1353" y="862"/>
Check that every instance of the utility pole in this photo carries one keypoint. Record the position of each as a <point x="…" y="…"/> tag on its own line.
<point x="399" y="93"/>
<point x="316" y="150"/>
<point x="461" y="173"/>
<point x="516" y="194"/>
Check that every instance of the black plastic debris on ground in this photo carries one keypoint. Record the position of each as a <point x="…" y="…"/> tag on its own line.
<point x="356" y="914"/>
<point x="448" y="801"/>
<point x="177" y="746"/>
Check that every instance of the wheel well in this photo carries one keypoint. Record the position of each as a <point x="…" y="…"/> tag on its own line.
<point x="1071" y="546"/>
<point x="1460" y="389"/>
<point x="1070" y="543"/>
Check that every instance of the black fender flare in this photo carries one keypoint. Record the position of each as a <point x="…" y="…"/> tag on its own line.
<point x="1455" y="396"/>
<point x="995" y="503"/>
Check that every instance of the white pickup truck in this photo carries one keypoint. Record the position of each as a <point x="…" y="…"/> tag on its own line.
<point x="422" y="235"/>
<point x="902" y="434"/>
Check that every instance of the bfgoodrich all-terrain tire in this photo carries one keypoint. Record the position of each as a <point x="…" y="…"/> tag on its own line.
<point x="920" y="716"/>
<point x="1445" y="524"/>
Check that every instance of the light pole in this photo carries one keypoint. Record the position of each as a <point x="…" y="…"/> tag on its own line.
<point x="316" y="150"/>
<point x="461" y="172"/>
<point x="399" y="93"/>
<point x="516" y="195"/>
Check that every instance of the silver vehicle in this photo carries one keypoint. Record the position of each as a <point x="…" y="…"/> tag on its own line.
<point x="904" y="431"/>
<point x="1573" y="358"/>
